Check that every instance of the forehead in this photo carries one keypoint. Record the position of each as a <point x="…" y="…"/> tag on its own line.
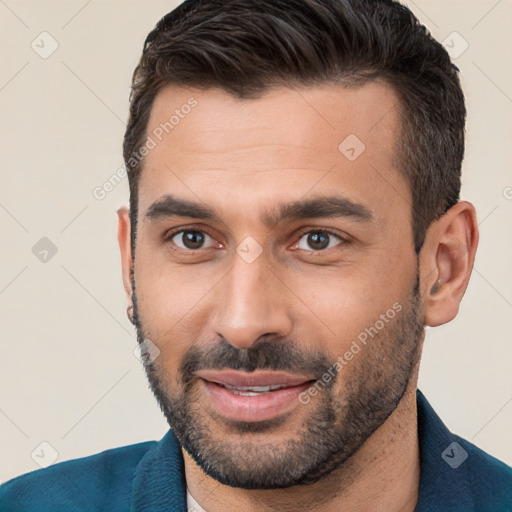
<point x="212" y="147"/>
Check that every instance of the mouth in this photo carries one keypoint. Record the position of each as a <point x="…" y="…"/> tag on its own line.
<point x="254" y="396"/>
<point x="254" y="380"/>
<point x="251" y="391"/>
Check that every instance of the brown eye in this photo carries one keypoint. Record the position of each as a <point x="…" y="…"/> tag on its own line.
<point x="190" y="239"/>
<point x="319" y="240"/>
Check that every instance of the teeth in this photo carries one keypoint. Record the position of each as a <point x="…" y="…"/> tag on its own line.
<point x="245" y="393"/>
<point x="253" y="390"/>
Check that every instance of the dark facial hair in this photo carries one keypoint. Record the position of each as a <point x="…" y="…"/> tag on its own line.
<point x="339" y="419"/>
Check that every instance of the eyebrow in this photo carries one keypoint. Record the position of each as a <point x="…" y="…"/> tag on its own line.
<point x="169" y="206"/>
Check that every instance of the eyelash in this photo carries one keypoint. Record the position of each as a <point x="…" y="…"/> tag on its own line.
<point x="342" y="240"/>
<point x="171" y="234"/>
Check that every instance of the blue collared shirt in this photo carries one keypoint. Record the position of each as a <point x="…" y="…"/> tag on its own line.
<point x="456" y="476"/>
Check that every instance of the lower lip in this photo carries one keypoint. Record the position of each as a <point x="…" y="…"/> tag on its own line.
<point x="253" y="408"/>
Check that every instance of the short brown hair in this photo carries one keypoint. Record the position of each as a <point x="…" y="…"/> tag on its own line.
<point x="248" y="46"/>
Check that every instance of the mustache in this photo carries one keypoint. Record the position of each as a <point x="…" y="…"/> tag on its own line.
<point x="277" y="355"/>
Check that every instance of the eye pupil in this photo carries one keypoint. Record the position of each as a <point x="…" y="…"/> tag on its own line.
<point x="318" y="241"/>
<point x="193" y="239"/>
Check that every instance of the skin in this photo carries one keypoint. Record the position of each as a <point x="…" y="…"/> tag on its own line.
<point x="241" y="158"/>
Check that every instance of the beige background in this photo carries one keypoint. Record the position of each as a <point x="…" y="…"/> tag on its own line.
<point x="68" y="375"/>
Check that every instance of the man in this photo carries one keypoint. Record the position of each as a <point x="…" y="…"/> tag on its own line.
<point x="294" y="224"/>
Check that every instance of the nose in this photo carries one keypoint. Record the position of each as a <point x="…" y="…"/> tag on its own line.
<point x="251" y="302"/>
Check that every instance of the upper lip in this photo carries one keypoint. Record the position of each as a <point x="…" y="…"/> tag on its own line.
<point x="237" y="378"/>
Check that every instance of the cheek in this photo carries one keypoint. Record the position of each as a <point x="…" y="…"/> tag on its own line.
<point x="170" y="306"/>
<point x="342" y="304"/>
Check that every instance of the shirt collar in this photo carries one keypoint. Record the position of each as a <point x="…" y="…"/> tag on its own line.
<point x="443" y="487"/>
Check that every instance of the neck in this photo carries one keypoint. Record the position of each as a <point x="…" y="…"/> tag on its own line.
<point x="383" y="475"/>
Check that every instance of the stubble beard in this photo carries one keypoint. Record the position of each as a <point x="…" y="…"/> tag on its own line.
<point x="337" y="421"/>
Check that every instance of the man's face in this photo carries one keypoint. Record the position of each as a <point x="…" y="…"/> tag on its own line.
<point x="259" y="294"/>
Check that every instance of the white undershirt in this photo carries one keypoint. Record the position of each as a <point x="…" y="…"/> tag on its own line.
<point x="192" y="505"/>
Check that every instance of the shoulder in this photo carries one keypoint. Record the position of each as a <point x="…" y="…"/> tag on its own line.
<point x="490" y="479"/>
<point x="98" y="482"/>
<point x="456" y="475"/>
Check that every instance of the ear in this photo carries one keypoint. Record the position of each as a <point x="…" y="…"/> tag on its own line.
<point x="123" y="236"/>
<point x="446" y="262"/>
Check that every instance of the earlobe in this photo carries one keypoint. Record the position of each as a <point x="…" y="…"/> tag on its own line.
<point x="123" y="237"/>
<point x="447" y="261"/>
